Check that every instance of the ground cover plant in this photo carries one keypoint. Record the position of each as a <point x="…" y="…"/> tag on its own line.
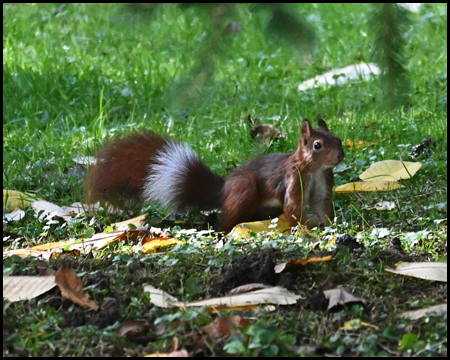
<point x="74" y="75"/>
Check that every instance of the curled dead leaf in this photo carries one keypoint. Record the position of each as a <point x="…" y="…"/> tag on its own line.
<point x="133" y="328"/>
<point x="72" y="288"/>
<point x="340" y="296"/>
<point x="222" y="327"/>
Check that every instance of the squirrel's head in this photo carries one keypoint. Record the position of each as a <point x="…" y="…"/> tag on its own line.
<point x="319" y="147"/>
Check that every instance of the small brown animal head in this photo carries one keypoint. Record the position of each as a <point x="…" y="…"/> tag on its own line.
<point x="319" y="149"/>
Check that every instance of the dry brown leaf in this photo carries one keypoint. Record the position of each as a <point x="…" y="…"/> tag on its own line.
<point x="133" y="328"/>
<point x="296" y="264"/>
<point x="432" y="270"/>
<point x="157" y="232"/>
<point x="222" y="327"/>
<point x="44" y="208"/>
<point x="24" y="253"/>
<point x="178" y="353"/>
<point x="435" y="310"/>
<point x="273" y="295"/>
<point x="72" y="288"/>
<point x="137" y="221"/>
<point x="15" y="215"/>
<point x="384" y="205"/>
<point x="17" y="288"/>
<point x="161" y="298"/>
<point x="340" y="296"/>
<point x="247" y="288"/>
<point x="267" y="133"/>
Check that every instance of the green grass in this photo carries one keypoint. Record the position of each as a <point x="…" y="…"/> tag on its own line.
<point x="76" y="74"/>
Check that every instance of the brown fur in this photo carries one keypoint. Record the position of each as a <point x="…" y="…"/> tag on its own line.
<point x="301" y="183"/>
<point x="298" y="184"/>
<point x="121" y="169"/>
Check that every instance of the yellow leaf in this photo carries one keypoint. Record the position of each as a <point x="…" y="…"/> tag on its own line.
<point x="244" y="229"/>
<point x="98" y="241"/>
<point x="13" y="200"/>
<point x="367" y="186"/>
<point x="390" y="170"/>
<point x="296" y="264"/>
<point x="358" y="144"/>
<point x="153" y="244"/>
<point x="355" y="324"/>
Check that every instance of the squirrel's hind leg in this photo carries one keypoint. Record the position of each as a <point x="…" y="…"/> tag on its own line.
<point x="241" y="199"/>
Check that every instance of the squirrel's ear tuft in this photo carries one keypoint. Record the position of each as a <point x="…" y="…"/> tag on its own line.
<point x="322" y="125"/>
<point x="306" y="129"/>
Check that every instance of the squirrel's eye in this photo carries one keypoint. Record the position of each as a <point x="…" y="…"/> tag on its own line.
<point x="317" y="145"/>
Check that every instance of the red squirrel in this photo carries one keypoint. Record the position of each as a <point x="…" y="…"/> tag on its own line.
<point x="149" y="167"/>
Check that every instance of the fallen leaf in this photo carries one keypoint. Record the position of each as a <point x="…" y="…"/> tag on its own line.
<point x="245" y="229"/>
<point x="151" y="245"/>
<point x="435" y="310"/>
<point x="340" y="296"/>
<point x="17" y="288"/>
<point x="16" y="215"/>
<point x="361" y="71"/>
<point x="160" y="298"/>
<point x="273" y="295"/>
<point x="48" y="209"/>
<point x="384" y="205"/>
<point x="178" y="353"/>
<point x="72" y="288"/>
<point x="367" y="186"/>
<point x="24" y="253"/>
<point x="137" y="221"/>
<point x="382" y="176"/>
<point x="267" y="133"/>
<point x="14" y="200"/>
<point x="222" y="327"/>
<point x="97" y="241"/>
<point x="436" y="271"/>
<point x="355" y="324"/>
<point x="390" y="170"/>
<point x="75" y="209"/>
<point x="358" y="144"/>
<point x="295" y="264"/>
<point x="133" y="328"/>
<point x="247" y="288"/>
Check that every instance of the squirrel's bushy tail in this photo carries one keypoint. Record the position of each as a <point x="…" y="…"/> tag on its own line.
<point x="149" y="167"/>
<point x="179" y="180"/>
